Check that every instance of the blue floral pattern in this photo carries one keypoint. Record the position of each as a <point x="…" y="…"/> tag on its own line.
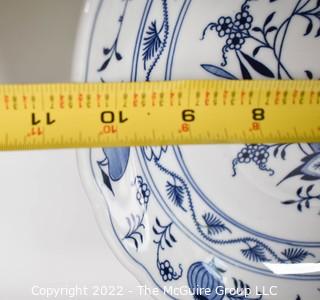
<point x="239" y="29"/>
<point x="111" y="52"/>
<point x="251" y="248"/>
<point x="236" y="31"/>
<point x="153" y="44"/>
<point x="135" y="222"/>
<point x="158" y="35"/>
<point x="165" y="239"/>
<point x="309" y="170"/>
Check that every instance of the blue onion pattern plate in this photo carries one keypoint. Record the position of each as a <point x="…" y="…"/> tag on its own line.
<point x="223" y="218"/>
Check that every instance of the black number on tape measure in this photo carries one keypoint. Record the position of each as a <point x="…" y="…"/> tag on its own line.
<point x="108" y="117"/>
<point x="34" y="120"/>
<point x="258" y="114"/>
<point x="49" y="121"/>
<point x="188" y="115"/>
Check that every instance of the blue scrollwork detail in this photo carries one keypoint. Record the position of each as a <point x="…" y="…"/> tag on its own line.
<point x="111" y="52"/>
<point x="253" y="249"/>
<point x="152" y="152"/>
<point x="135" y="222"/>
<point x="165" y="239"/>
<point x="155" y="41"/>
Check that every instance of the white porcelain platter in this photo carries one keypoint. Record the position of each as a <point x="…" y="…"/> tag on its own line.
<point x="213" y="216"/>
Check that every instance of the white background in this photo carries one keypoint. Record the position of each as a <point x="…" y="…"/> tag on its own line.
<point x="48" y="233"/>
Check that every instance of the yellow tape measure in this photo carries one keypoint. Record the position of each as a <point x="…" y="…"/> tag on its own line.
<point x="43" y="116"/>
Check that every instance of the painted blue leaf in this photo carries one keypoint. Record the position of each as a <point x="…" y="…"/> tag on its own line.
<point x="245" y="72"/>
<point x="135" y="223"/>
<point x="176" y="194"/>
<point x="258" y="66"/>
<point x="106" y="51"/>
<point x="256" y="50"/>
<point x="283" y="153"/>
<point x="118" y="56"/>
<point x="286" y="202"/>
<point x="309" y="188"/>
<point x="309" y="74"/>
<point x="270" y="29"/>
<point x="235" y="283"/>
<point x="309" y="27"/>
<point x="255" y="253"/>
<point x="117" y="161"/>
<point x="172" y="238"/>
<point x="214" y="224"/>
<point x="151" y="42"/>
<point x="217" y="71"/>
<point x="269" y="19"/>
<point x="296" y="255"/>
<point x="241" y="284"/>
<point x="106" y="181"/>
<point x="299" y="191"/>
<point x="257" y="29"/>
<point x="307" y="204"/>
<point x="299" y="207"/>
<point x="104" y="65"/>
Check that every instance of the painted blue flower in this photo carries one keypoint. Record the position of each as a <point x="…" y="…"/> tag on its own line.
<point x="243" y="20"/>
<point x="257" y="153"/>
<point x="261" y="155"/>
<point x="152" y="152"/>
<point x="224" y="26"/>
<point x="166" y="271"/>
<point x="143" y="193"/>
<point x="235" y="40"/>
<point x="245" y="155"/>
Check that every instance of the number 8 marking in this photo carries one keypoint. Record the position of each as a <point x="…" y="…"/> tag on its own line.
<point x="258" y="114"/>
